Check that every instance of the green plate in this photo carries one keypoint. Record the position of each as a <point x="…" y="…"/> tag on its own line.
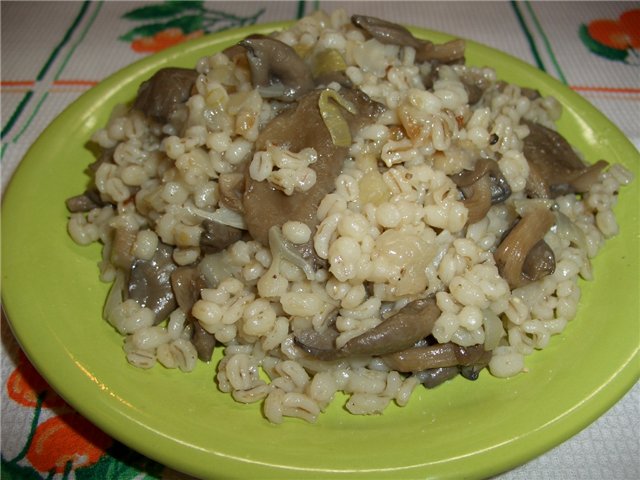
<point x="54" y="299"/>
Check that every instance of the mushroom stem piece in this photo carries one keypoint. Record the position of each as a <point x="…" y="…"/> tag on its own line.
<point x="410" y="324"/>
<point x="276" y="69"/>
<point x="512" y="253"/>
<point x="440" y="355"/>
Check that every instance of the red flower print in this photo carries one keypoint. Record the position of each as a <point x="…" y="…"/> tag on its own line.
<point x="66" y="442"/>
<point x="614" y="39"/>
<point x="619" y="34"/>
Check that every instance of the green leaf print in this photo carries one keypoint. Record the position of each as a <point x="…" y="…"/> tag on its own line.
<point x="190" y="17"/>
<point x="163" y="10"/>
<point x="123" y="464"/>
<point x="142" y="31"/>
<point x="13" y="471"/>
<point x="188" y="23"/>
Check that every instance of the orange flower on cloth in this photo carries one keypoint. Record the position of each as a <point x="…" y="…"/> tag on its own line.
<point x="619" y="34"/>
<point x="164" y="24"/>
<point x="26" y="387"/>
<point x="60" y="440"/>
<point x="66" y="442"/>
<point x="614" y="39"/>
<point x="163" y="39"/>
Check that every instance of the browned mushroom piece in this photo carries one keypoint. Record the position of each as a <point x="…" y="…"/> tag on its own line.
<point x="387" y="32"/>
<point x="203" y="341"/>
<point x="554" y="167"/>
<point x="540" y="262"/>
<point x="393" y="34"/>
<point x="417" y="359"/>
<point x="186" y="283"/>
<point x="121" y="255"/>
<point x="88" y="200"/>
<point x="276" y="69"/>
<point x="402" y="330"/>
<point x="231" y="189"/>
<point x="523" y="256"/>
<point x="150" y="283"/>
<point x="433" y="377"/>
<point x="163" y="96"/>
<point x="482" y="187"/>
<point x="236" y="50"/>
<point x="217" y="236"/>
<point x="530" y="93"/>
<point x="264" y="205"/>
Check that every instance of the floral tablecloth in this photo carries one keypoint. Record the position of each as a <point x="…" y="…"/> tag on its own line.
<point x="52" y="52"/>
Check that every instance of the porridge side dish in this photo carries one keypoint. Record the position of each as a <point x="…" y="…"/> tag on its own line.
<point x="340" y="207"/>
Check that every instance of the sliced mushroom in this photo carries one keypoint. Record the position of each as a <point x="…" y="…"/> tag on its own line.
<point x="264" y="205"/>
<point x="237" y="50"/>
<point x="433" y="377"/>
<point x="530" y="93"/>
<point x="276" y="69"/>
<point x="554" y="167"/>
<point x="410" y="324"/>
<point x="150" y="283"/>
<point x="482" y="187"/>
<point x="386" y="32"/>
<point x="121" y="255"/>
<point x="84" y="202"/>
<point x="186" y="283"/>
<point x="472" y="372"/>
<point x="165" y="92"/>
<point x="512" y="255"/>
<point x="203" y="341"/>
<point x="231" y="189"/>
<point x="539" y="263"/>
<point x="417" y="359"/>
<point x="392" y="33"/>
<point x="217" y="236"/>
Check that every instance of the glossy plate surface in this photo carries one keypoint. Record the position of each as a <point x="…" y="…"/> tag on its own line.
<point x="54" y="299"/>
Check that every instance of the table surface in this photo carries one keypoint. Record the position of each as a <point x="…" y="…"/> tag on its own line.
<point x="49" y="59"/>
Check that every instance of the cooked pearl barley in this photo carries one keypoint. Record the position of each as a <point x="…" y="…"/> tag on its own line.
<point x="134" y="175"/>
<point x="367" y="381"/>
<point x="148" y="338"/>
<point x="209" y="314"/>
<point x="242" y="372"/>
<point x="277" y="335"/>
<point x="259" y="317"/>
<point x="366" y="403"/>
<point x="343" y="255"/>
<point x="141" y="358"/>
<point x="82" y="232"/>
<point x="471" y="318"/>
<point x="174" y="193"/>
<point x="179" y="353"/>
<point x="237" y="151"/>
<point x="301" y="304"/>
<point x="446" y="325"/>
<point x="296" y="232"/>
<point x="393" y="229"/>
<point x="505" y="362"/>
<point x="186" y="256"/>
<point x="128" y="317"/>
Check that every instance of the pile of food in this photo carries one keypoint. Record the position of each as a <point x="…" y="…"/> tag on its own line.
<point x="340" y="207"/>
